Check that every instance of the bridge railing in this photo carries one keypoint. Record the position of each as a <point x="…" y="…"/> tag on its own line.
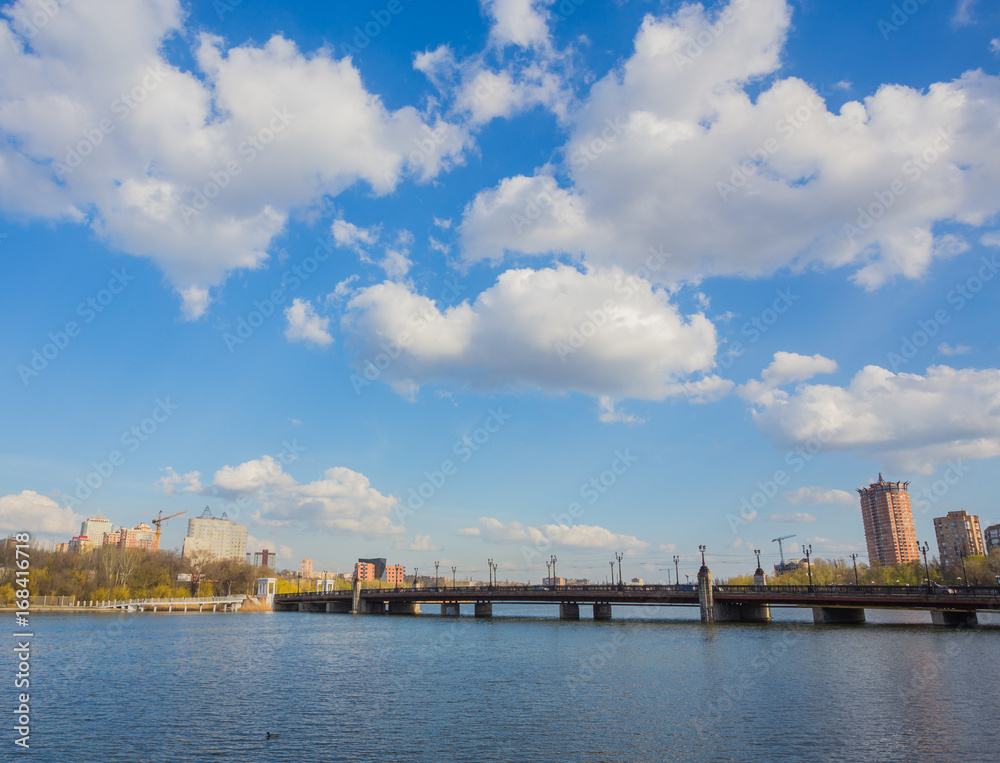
<point x="986" y="592"/>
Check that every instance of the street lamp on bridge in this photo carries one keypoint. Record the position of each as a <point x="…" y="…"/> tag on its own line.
<point x="927" y="570"/>
<point x="618" y="556"/>
<point x="489" y="563"/>
<point x="702" y="549"/>
<point x="612" y="572"/>
<point x="854" y="558"/>
<point x="453" y="571"/>
<point x="548" y="572"/>
<point x="554" y="579"/>
<point x="808" y="551"/>
<point x="436" y="575"/>
<point x="677" y="571"/>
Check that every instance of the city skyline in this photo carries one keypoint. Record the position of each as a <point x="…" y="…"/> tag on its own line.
<point x="505" y="284"/>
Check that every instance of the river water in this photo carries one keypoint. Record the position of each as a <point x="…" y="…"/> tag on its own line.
<point x="651" y="685"/>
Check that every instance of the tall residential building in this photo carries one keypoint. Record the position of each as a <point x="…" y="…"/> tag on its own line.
<point x="992" y="537"/>
<point x="394" y="574"/>
<point x="306" y="568"/>
<point x="958" y="535"/>
<point x="215" y="537"/>
<point x="93" y="528"/>
<point x="888" y="518"/>
<point x="141" y="536"/>
<point x="364" y="571"/>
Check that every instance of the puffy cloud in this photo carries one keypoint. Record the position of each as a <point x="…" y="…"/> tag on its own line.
<point x="910" y="422"/>
<point x="785" y="368"/>
<point x="571" y="536"/>
<point x="518" y="22"/>
<point x="819" y="495"/>
<point x="342" y="501"/>
<point x="468" y="532"/>
<point x="422" y="543"/>
<point x="555" y="329"/>
<point x="796" y="517"/>
<point x="959" y="349"/>
<point x="304" y="325"/>
<point x="676" y="147"/>
<point x="195" y="170"/>
<point x="995" y="46"/>
<point x="36" y="514"/>
<point x="609" y="414"/>
<point x="172" y="482"/>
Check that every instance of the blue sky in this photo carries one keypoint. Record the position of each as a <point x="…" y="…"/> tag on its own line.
<point x="519" y="279"/>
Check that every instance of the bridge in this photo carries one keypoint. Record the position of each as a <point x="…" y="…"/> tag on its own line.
<point x="190" y="604"/>
<point x="718" y="603"/>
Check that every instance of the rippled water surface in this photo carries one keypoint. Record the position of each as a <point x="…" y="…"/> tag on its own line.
<point x="651" y="685"/>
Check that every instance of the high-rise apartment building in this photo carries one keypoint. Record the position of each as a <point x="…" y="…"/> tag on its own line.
<point x="93" y="528"/>
<point x="215" y="537"/>
<point x="306" y="568"/>
<point x="888" y="518"/>
<point x="992" y="536"/>
<point x="141" y="536"/>
<point x="958" y="535"/>
<point x="364" y="571"/>
<point x="394" y="575"/>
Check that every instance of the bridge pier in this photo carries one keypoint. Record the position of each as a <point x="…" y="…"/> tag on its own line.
<point x="404" y="608"/>
<point x="955" y="618"/>
<point x="741" y="613"/>
<point x="569" y="611"/>
<point x="602" y="611"/>
<point x="838" y="615"/>
<point x="484" y="609"/>
<point x="372" y="607"/>
<point x="356" y="597"/>
<point x="705" y="601"/>
<point x="338" y="606"/>
<point x="451" y="609"/>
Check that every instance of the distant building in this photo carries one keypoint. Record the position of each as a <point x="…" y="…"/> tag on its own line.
<point x="888" y="519"/>
<point x="215" y="537"/>
<point x="306" y="568"/>
<point x="637" y="581"/>
<point x="992" y="537"/>
<point x="364" y="571"/>
<point x="94" y="528"/>
<point x="394" y="574"/>
<point x="141" y="536"/>
<point x="263" y="558"/>
<point x="958" y="535"/>
<point x="553" y="581"/>
<point x="379" y="567"/>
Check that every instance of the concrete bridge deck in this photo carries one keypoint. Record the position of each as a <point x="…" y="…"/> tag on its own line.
<point x="830" y="604"/>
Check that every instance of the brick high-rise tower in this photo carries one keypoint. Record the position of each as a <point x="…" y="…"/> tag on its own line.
<point x="885" y="508"/>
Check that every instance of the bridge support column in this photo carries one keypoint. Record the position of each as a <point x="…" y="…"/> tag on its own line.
<point x="451" y="609"/>
<point x="338" y="606"/>
<point x="838" y="615"/>
<point x="602" y="611"/>
<point x="956" y="618"/>
<point x="705" y="601"/>
<point x="484" y="609"/>
<point x="569" y="611"/>
<point x="374" y="607"/>
<point x="356" y="597"/>
<point x="404" y="608"/>
<point x="741" y="613"/>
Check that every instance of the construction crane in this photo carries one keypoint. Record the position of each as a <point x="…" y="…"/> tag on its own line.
<point x="159" y="521"/>
<point x="780" y="550"/>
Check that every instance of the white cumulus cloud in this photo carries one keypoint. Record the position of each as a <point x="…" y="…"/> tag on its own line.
<point x="36" y="514"/>
<point x="305" y="325"/>
<point x="818" y="495"/>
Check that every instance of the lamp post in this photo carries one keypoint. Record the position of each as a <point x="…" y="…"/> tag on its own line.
<point x="298" y="584"/>
<point x="927" y="570"/>
<point x="489" y="563"/>
<point x="757" y="552"/>
<point x="702" y="549"/>
<point x="548" y="573"/>
<point x="436" y="575"/>
<point x="618" y="556"/>
<point x="854" y="558"/>
<point x="677" y="571"/>
<point x="453" y="571"/>
<point x="554" y="578"/>
<point x="612" y="572"/>
<point x="415" y="571"/>
<point x="808" y="552"/>
<point x="965" y="574"/>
